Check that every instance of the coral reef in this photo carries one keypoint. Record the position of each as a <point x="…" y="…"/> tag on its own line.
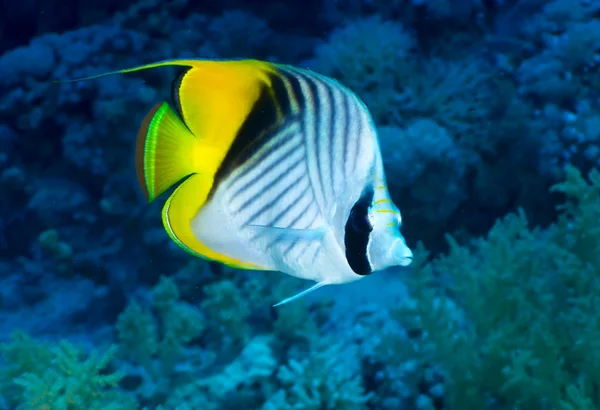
<point x="487" y="114"/>
<point x="42" y="377"/>
<point x="510" y="318"/>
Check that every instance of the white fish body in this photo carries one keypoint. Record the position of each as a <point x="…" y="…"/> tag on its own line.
<point x="277" y="167"/>
<point x="289" y="204"/>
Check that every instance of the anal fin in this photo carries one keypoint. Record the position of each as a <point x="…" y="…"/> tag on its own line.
<point x="289" y="234"/>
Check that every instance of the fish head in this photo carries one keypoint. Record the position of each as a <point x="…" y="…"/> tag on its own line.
<point x="372" y="239"/>
<point x="387" y="246"/>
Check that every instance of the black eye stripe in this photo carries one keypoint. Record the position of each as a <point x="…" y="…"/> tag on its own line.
<point x="356" y="235"/>
<point x="360" y="220"/>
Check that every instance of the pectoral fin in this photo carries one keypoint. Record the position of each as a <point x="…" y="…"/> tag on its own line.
<point x="289" y="234"/>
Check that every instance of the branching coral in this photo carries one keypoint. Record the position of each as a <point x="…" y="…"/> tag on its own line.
<point x="43" y="376"/>
<point x="515" y="319"/>
<point x="356" y="57"/>
<point x="328" y="378"/>
<point x="397" y="84"/>
<point x="242" y="383"/>
<point x="159" y="345"/>
<point x="225" y="306"/>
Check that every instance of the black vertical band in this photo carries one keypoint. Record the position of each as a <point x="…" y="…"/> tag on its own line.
<point x="356" y="240"/>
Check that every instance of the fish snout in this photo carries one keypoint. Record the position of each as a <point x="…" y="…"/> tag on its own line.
<point x="401" y="253"/>
<point x="390" y="251"/>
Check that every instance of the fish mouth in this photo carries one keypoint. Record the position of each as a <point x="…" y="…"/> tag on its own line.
<point x="405" y="261"/>
<point x="401" y="254"/>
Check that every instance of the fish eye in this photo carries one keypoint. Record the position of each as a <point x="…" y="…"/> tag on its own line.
<point x="360" y="220"/>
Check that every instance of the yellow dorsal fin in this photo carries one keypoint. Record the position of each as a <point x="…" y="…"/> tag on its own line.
<point x="214" y="100"/>
<point x="215" y="97"/>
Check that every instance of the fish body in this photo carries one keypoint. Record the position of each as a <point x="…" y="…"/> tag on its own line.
<point x="278" y="168"/>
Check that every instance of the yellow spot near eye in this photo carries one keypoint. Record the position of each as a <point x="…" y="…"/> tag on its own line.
<point x="381" y="201"/>
<point x="386" y="211"/>
<point x="390" y="224"/>
<point x="380" y="187"/>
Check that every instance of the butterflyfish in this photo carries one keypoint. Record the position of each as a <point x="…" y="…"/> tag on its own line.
<point x="277" y="168"/>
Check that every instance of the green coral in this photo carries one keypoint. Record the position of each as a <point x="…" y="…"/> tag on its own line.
<point x="513" y="318"/>
<point x="47" y="376"/>
<point x="156" y="339"/>
<point x="181" y="321"/>
<point x="227" y="308"/>
<point x="138" y="328"/>
<point x="579" y="225"/>
<point x="21" y="355"/>
<point x="138" y="333"/>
